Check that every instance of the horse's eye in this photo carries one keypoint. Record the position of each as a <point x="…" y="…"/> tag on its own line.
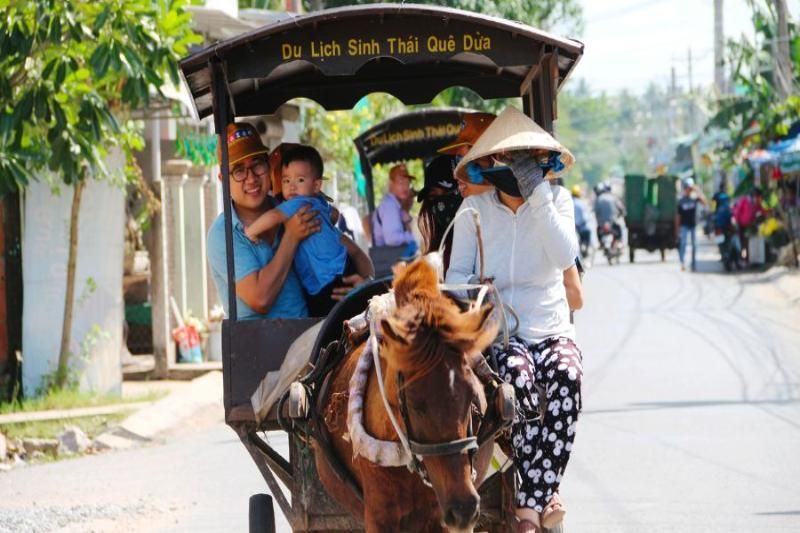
<point x="420" y="408"/>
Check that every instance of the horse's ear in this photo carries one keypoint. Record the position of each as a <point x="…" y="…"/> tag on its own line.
<point x="414" y="279"/>
<point x="476" y="331"/>
<point x="389" y="332"/>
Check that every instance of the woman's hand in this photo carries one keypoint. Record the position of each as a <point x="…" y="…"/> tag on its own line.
<point x="302" y="224"/>
<point x="526" y="169"/>
<point x="349" y="283"/>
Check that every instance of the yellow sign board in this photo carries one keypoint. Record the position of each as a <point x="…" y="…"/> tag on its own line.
<point x="391" y="46"/>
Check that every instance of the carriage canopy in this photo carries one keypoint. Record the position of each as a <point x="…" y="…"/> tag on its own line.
<point x="413" y="52"/>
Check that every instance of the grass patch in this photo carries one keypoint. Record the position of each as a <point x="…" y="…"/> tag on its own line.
<point x="51" y="429"/>
<point x="71" y="398"/>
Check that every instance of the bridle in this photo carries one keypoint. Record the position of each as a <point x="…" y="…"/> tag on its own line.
<point x="419" y="450"/>
<point x="501" y="403"/>
<point x="496" y="418"/>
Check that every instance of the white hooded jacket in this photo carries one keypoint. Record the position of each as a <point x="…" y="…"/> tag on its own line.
<point x="525" y="252"/>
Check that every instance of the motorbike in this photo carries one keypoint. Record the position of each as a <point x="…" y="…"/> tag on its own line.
<point x="584" y="241"/>
<point x="610" y="243"/>
<point x="730" y="249"/>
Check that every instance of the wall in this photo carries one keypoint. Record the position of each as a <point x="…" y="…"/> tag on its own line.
<point x="45" y="238"/>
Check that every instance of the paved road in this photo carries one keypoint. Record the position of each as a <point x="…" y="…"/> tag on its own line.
<point x="691" y="405"/>
<point x="691" y="424"/>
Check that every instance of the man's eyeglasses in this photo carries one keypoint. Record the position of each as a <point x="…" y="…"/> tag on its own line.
<point x="259" y="168"/>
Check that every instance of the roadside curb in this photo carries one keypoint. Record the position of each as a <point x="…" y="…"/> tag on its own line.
<point x="784" y="280"/>
<point x="159" y="417"/>
<point x="58" y="414"/>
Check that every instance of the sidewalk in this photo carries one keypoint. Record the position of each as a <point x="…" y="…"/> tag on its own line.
<point x="784" y="282"/>
<point x="188" y="404"/>
<point x="780" y="281"/>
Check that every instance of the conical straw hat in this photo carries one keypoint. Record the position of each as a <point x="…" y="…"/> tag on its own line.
<point x="513" y="130"/>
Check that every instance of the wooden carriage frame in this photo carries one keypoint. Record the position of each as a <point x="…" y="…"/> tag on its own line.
<point x="335" y="57"/>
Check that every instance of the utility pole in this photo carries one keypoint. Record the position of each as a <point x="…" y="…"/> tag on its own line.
<point x="672" y="88"/>
<point x="719" y="49"/>
<point x="690" y="99"/>
<point x="673" y="91"/>
<point x="783" y="66"/>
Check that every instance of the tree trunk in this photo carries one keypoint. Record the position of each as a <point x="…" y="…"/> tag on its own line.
<point x="66" y="333"/>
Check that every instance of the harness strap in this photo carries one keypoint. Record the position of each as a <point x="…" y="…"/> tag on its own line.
<point x="446" y="448"/>
<point x="373" y="339"/>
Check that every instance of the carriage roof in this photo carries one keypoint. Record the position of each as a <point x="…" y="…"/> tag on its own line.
<point x="413" y="52"/>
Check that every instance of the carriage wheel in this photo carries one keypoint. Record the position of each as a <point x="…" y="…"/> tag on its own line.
<point x="262" y="514"/>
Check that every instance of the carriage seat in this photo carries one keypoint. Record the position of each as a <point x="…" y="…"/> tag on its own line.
<point x="304" y="351"/>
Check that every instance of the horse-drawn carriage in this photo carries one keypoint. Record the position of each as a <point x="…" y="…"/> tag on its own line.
<point x="335" y="57"/>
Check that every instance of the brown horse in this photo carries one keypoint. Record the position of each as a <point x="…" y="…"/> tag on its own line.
<point x="432" y="344"/>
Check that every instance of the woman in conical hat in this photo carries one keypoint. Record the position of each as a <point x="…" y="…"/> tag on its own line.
<point x="529" y="241"/>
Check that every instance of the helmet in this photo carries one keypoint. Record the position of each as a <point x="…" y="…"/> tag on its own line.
<point x="601" y="188"/>
<point x="576" y="191"/>
<point x="688" y="183"/>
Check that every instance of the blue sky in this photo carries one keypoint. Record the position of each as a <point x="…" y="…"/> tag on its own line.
<point x="632" y="42"/>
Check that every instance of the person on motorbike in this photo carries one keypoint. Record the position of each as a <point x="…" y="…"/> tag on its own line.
<point x="725" y="229"/>
<point x="581" y="220"/>
<point x="608" y="209"/>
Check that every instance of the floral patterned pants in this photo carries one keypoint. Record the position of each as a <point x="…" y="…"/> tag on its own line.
<point x="542" y="444"/>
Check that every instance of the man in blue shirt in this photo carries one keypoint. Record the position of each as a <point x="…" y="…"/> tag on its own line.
<point x="321" y="261"/>
<point x="266" y="285"/>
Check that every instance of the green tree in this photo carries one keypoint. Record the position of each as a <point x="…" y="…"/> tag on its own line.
<point x="758" y="112"/>
<point x="333" y="132"/>
<point x="610" y="135"/>
<point x="542" y="14"/>
<point x="71" y="73"/>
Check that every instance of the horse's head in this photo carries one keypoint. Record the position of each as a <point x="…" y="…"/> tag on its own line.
<point x="430" y="344"/>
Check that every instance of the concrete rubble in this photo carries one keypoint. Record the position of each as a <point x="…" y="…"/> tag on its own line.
<point x="153" y="421"/>
<point x="31" y="446"/>
<point x="73" y="440"/>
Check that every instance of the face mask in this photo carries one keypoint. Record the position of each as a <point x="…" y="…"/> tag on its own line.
<point x="503" y="179"/>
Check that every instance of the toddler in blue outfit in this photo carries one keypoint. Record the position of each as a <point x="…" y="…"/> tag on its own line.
<point x="321" y="259"/>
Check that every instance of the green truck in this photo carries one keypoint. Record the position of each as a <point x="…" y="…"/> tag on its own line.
<point x="651" y="204"/>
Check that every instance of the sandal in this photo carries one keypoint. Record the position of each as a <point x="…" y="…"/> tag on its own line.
<point x="553" y="513"/>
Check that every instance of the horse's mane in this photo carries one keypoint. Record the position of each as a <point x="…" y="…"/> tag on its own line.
<point x="427" y="326"/>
